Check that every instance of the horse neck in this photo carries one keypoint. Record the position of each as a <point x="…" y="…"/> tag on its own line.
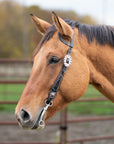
<point x="100" y="56"/>
<point x="101" y="64"/>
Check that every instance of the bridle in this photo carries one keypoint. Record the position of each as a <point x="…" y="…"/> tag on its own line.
<point x="55" y="87"/>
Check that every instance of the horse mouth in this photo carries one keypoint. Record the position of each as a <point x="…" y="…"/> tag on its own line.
<point x="40" y="123"/>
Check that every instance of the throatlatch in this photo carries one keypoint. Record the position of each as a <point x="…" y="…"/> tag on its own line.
<point x="55" y="87"/>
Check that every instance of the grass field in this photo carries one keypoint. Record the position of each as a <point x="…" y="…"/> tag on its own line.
<point x="92" y="108"/>
<point x="13" y="92"/>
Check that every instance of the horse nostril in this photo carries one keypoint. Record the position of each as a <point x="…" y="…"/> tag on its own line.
<point x="25" y="116"/>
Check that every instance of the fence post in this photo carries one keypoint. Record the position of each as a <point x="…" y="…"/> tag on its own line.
<point x="63" y="126"/>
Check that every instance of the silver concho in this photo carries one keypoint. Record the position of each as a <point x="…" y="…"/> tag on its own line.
<point x="67" y="60"/>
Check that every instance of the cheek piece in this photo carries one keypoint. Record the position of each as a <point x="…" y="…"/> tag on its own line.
<point x="55" y="87"/>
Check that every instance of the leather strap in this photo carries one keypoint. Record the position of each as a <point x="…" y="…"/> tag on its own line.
<point x="55" y="87"/>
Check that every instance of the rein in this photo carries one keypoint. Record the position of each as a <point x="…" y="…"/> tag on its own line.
<point x="55" y="87"/>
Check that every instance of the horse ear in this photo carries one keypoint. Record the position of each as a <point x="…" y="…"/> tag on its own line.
<point x="63" y="28"/>
<point x="41" y="25"/>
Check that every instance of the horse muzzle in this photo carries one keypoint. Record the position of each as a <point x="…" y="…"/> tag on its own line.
<point x="25" y="120"/>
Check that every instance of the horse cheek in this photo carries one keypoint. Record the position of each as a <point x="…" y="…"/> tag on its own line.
<point x="76" y="81"/>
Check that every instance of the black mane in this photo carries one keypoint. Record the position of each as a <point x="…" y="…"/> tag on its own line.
<point x="102" y="33"/>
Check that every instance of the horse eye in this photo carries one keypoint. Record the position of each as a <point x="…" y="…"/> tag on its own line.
<point x="53" y="60"/>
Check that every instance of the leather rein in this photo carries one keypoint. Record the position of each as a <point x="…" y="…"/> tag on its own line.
<point x="55" y="87"/>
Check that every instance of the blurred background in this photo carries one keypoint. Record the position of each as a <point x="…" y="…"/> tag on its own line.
<point x="18" y="36"/>
<point x="18" y="39"/>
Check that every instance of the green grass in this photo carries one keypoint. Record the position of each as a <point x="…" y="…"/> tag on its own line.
<point x="10" y="92"/>
<point x="13" y="92"/>
<point x="91" y="108"/>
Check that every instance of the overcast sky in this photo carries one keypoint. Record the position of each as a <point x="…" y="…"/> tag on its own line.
<point x="102" y="10"/>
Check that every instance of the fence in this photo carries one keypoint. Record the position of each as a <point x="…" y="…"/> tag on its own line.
<point x="64" y="121"/>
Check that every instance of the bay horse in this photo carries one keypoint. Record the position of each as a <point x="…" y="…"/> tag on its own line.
<point x="69" y="57"/>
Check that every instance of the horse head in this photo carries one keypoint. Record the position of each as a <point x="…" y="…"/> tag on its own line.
<point x="47" y="64"/>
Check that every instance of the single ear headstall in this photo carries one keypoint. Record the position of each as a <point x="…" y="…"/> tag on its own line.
<point x="55" y="87"/>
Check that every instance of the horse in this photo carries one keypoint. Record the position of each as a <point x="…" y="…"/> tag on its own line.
<point x="69" y="57"/>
